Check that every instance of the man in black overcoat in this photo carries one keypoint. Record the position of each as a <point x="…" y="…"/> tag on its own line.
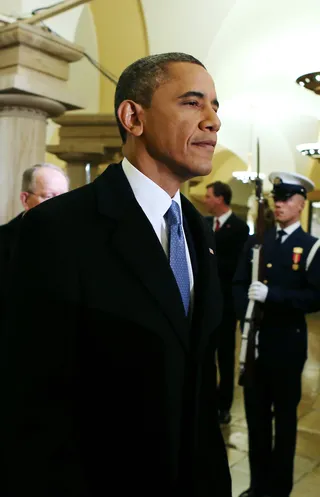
<point x="107" y="364"/>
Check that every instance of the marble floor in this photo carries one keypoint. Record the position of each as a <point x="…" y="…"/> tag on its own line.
<point x="307" y="462"/>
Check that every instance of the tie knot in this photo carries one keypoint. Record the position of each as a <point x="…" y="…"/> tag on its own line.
<point x="280" y="234"/>
<point x="173" y="215"/>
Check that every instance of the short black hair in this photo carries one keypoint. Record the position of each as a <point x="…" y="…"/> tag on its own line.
<point x="139" y="81"/>
<point x="221" y="189"/>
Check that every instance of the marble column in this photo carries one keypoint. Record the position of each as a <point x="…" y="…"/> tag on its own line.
<point x="23" y="120"/>
<point x="34" y="73"/>
<point x="87" y="143"/>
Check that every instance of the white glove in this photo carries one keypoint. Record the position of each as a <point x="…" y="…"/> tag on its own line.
<point x="258" y="291"/>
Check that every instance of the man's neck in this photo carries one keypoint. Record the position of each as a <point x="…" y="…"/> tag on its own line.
<point x="287" y="224"/>
<point x="158" y="173"/>
<point x="223" y="210"/>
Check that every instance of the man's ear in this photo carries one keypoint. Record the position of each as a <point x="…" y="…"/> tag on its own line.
<point x="24" y="198"/>
<point x="130" y="114"/>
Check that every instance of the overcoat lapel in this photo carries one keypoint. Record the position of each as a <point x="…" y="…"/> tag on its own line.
<point x="136" y="242"/>
<point x="207" y="290"/>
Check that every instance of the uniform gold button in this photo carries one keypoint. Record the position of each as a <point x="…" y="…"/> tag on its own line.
<point x="265" y="281"/>
<point x="269" y="264"/>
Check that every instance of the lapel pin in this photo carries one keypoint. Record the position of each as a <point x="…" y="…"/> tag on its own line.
<point x="211" y="251"/>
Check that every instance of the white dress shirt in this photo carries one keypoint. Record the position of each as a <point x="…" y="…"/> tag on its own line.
<point x="222" y="219"/>
<point x="289" y="230"/>
<point x="155" y="202"/>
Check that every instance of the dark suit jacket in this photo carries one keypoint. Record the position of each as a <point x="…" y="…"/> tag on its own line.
<point x="106" y="388"/>
<point x="8" y="235"/>
<point x="230" y="239"/>
<point x="293" y="292"/>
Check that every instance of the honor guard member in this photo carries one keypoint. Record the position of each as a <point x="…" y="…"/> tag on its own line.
<point x="290" y="289"/>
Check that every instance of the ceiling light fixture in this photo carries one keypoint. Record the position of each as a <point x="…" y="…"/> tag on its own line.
<point x="249" y="175"/>
<point x="310" y="149"/>
<point x="310" y="81"/>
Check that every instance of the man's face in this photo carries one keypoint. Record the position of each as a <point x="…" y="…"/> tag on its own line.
<point x="212" y="202"/>
<point x="180" y="127"/>
<point x="48" y="183"/>
<point x="288" y="211"/>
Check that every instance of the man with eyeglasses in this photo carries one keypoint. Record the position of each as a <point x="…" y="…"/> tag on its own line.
<point x="42" y="182"/>
<point x="39" y="183"/>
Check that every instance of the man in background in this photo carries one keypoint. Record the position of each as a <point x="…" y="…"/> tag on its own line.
<point x="39" y="183"/>
<point x="108" y="388"/>
<point x="231" y="234"/>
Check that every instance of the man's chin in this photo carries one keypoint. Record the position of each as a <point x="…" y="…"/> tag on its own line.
<point x="191" y="170"/>
<point x="201" y="169"/>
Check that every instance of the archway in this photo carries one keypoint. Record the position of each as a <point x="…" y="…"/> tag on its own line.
<point x="224" y="163"/>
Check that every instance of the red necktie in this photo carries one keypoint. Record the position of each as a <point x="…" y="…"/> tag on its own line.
<point x="217" y="225"/>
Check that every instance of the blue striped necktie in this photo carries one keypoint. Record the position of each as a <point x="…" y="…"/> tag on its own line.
<point x="177" y="253"/>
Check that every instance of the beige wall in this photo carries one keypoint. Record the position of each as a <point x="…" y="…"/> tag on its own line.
<point x="224" y="163"/>
<point x="114" y="40"/>
<point x="122" y="38"/>
<point x="314" y="172"/>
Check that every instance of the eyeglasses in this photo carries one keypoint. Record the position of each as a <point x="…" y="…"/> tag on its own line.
<point x="43" y="197"/>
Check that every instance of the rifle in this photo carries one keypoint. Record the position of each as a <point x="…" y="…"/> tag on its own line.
<point x="253" y="317"/>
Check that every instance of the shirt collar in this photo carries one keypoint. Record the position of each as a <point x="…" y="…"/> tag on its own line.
<point x="290" y="229"/>
<point x="153" y="200"/>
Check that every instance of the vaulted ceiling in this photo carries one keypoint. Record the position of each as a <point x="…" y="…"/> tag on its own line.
<point x="254" y="51"/>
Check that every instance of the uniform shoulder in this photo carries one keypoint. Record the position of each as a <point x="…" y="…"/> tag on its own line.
<point x="308" y="239"/>
<point x="305" y="236"/>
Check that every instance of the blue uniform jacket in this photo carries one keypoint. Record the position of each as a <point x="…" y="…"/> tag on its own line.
<point x="293" y="292"/>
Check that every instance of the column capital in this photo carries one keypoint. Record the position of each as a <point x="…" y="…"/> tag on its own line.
<point x="34" y="73"/>
<point x="20" y="105"/>
<point x="74" y="157"/>
<point x="36" y="62"/>
<point x="91" y="135"/>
